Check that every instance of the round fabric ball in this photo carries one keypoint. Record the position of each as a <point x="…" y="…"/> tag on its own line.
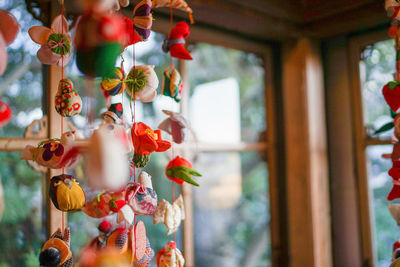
<point x="142" y="83"/>
<point x="50" y="257"/>
<point x="114" y="85"/>
<point x="137" y="80"/>
<point x="98" y="61"/>
<point x="59" y="43"/>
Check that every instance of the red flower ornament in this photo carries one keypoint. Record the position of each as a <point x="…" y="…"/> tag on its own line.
<point x="146" y="141"/>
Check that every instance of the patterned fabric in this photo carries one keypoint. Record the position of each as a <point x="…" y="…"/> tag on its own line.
<point x="178" y="4"/>
<point x="172" y="84"/>
<point x="68" y="102"/>
<point x="142" y="19"/>
<point x="170" y="256"/>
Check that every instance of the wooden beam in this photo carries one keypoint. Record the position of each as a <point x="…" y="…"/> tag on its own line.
<point x="347" y="236"/>
<point x="306" y="156"/>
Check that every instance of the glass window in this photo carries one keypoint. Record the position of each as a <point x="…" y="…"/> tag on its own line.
<point x="376" y="69"/>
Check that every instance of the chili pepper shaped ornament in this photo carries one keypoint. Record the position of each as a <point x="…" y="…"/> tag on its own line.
<point x="176" y="40"/>
<point x="66" y="193"/>
<point x="180" y="170"/>
<point x="68" y="102"/>
<point x="56" y="251"/>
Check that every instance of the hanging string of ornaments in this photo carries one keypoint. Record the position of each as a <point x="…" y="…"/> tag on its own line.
<point x="391" y="94"/>
<point x="114" y="194"/>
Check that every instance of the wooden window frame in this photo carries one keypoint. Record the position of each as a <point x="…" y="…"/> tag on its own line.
<point x="361" y="141"/>
<point x="52" y="74"/>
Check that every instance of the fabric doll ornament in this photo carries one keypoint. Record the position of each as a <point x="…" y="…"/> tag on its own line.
<point x="142" y="19"/>
<point x="114" y="85"/>
<point x="176" y="40"/>
<point x="68" y="102"/>
<point x="50" y="153"/>
<point x="107" y="163"/>
<point x="178" y="4"/>
<point x="56" y="251"/>
<point x="172" y="84"/>
<point x="55" y="42"/>
<point x="394" y="210"/>
<point x="141" y="197"/>
<point x="176" y="125"/>
<point x="9" y="29"/>
<point x="66" y="193"/>
<point x="99" y="39"/>
<point x="146" y="141"/>
<point x="113" y="114"/>
<point x="142" y="83"/>
<point x="170" y="256"/>
<point x="100" y="241"/>
<point x="180" y="170"/>
<point x="5" y="113"/>
<point x="170" y="215"/>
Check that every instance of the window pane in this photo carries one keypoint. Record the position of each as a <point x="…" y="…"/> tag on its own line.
<point x="227" y="102"/>
<point x="231" y="216"/>
<point x="21" y="229"/>
<point x="21" y="84"/>
<point x="380" y="183"/>
<point x="376" y="69"/>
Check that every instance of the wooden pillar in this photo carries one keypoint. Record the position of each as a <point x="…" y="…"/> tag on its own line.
<point x="188" y="233"/>
<point x="346" y="236"/>
<point x="50" y="86"/>
<point x="306" y="155"/>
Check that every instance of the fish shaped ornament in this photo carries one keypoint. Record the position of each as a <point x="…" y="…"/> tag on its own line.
<point x="51" y="153"/>
<point x="172" y="84"/>
<point x="142" y="83"/>
<point x="68" y="103"/>
<point x="56" y="251"/>
<point x="170" y="215"/>
<point x="66" y="193"/>
<point x="9" y="29"/>
<point x="176" y="41"/>
<point x="178" y="4"/>
<point x="170" y="256"/>
<point x="55" y="42"/>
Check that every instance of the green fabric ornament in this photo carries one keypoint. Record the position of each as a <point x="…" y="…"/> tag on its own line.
<point x="100" y="61"/>
<point x="136" y="80"/>
<point x="59" y="43"/>
<point x="141" y="160"/>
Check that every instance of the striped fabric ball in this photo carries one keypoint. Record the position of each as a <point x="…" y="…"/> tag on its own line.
<point x="114" y="85"/>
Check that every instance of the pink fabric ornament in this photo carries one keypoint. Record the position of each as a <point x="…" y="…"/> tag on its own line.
<point x="176" y="125"/>
<point x="55" y="42"/>
<point x="9" y="29"/>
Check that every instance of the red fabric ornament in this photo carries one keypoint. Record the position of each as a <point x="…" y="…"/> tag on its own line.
<point x="396" y="245"/>
<point x="394" y="172"/>
<point x="391" y="93"/>
<point x="5" y="113"/>
<point x="116" y="205"/>
<point x="105" y="226"/>
<point x="176" y="39"/>
<point x="131" y="35"/>
<point x="180" y="170"/>
<point x="146" y="141"/>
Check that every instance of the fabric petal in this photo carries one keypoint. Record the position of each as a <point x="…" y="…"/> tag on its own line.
<point x="59" y="24"/>
<point x="46" y="56"/>
<point x="146" y="96"/>
<point x="39" y="34"/>
<point x="9" y="27"/>
<point x="64" y="61"/>
<point x="3" y="55"/>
